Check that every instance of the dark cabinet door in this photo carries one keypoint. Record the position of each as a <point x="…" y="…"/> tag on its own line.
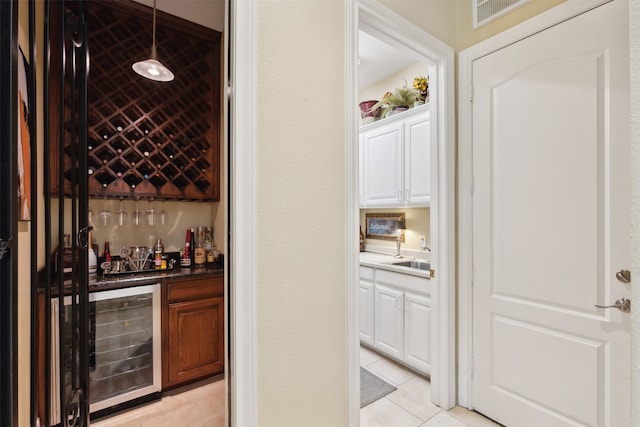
<point x="195" y="339"/>
<point x="192" y="329"/>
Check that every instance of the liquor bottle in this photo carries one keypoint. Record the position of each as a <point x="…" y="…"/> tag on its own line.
<point x="186" y="257"/>
<point x="199" y="252"/>
<point x="192" y="245"/>
<point x="158" y="250"/>
<point x="107" y="253"/>
<point x="68" y="260"/>
<point x="210" y="247"/>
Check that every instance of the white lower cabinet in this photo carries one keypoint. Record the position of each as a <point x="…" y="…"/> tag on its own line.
<point x="401" y="317"/>
<point x="389" y="321"/>
<point x="366" y="305"/>
<point x="417" y="335"/>
<point x="366" y="312"/>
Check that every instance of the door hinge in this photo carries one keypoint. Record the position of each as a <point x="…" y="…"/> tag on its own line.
<point x="471" y="183"/>
<point x="471" y="363"/>
<point x="471" y="94"/>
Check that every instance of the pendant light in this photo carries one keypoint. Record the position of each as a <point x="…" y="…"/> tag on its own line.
<point x="152" y="68"/>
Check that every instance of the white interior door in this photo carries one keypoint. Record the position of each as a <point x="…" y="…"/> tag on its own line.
<point x="551" y="225"/>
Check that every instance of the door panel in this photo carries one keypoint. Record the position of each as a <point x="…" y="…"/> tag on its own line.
<point x="388" y="320"/>
<point x="551" y="225"/>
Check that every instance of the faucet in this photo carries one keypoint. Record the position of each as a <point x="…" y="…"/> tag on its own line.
<point x="400" y="227"/>
<point x="398" y="243"/>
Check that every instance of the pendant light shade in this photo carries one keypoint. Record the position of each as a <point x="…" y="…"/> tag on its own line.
<point x="152" y="68"/>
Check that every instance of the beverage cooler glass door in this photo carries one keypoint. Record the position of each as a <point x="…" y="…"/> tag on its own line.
<point x="124" y="343"/>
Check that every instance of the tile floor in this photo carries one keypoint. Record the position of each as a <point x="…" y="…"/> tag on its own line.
<point x="201" y="405"/>
<point x="409" y="406"/>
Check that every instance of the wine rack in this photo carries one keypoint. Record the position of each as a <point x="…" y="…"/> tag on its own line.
<point x="145" y="138"/>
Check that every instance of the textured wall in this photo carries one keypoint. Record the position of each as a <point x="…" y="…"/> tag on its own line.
<point x="465" y="34"/>
<point x="301" y="214"/>
<point x="634" y="37"/>
<point x="437" y="17"/>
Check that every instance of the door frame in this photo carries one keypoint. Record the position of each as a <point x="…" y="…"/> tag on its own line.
<point x="466" y="58"/>
<point x="393" y="29"/>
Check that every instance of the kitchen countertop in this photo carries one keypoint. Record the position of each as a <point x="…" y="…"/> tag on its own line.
<point x="383" y="261"/>
<point x="99" y="282"/>
<point x="112" y="281"/>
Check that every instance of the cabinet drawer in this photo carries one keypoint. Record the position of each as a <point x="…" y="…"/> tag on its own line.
<point x="406" y="282"/>
<point x="195" y="288"/>
<point x="367" y="273"/>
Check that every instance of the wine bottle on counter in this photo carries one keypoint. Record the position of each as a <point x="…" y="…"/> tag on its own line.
<point x="192" y="245"/>
<point x="199" y="254"/>
<point x="107" y="253"/>
<point x="186" y="257"/>
<point x="210" y="247"/>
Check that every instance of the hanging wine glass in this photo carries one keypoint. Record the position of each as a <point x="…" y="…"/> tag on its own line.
<point x="90" y="217"/>
<point x="122" y="216"/>
<point x="136" y="216"/>
<point x="151" y="214"/>
<point x="164" y="218"/>
<point x="105" y="215"/>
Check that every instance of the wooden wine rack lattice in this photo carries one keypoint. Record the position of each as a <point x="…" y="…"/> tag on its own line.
<point x="148" y="138"/>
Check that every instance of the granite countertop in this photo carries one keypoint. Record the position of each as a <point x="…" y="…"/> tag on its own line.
<point x="112" y="281"/>
<point x="385" y="262"/>
<point x="98" y="282"/>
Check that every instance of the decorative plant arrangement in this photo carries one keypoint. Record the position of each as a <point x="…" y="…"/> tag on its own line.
<point x="421" y="84"/>
<point x="401" y="99"/>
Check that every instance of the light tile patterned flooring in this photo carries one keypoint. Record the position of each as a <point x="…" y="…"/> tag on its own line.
<point x="199" y="406"/>
<point x="409" y="406"/>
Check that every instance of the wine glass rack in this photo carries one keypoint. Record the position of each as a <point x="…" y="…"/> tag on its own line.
<point x="150" y="139"/>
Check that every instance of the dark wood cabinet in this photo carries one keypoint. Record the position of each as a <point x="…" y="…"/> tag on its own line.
<point x="146" y="139"/>
<point x="193" y="329"/>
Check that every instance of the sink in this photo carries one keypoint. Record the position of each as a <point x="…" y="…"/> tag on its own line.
<point x="420" y="265"/>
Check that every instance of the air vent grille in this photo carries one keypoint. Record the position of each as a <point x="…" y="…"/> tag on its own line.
<point x="487" y="10"/>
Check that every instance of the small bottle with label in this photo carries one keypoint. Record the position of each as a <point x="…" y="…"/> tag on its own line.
<point x="158" y="250"/>
<point x="199" y="252"/>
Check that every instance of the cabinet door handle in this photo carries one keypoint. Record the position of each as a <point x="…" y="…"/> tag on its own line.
<point x="399" y="196"/>
<point x="407" y="195"/>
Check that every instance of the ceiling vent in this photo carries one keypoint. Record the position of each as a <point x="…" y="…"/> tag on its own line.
<point x="487" y="10"/>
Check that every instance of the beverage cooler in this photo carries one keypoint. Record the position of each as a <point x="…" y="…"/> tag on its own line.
<point x="124" y="347"/>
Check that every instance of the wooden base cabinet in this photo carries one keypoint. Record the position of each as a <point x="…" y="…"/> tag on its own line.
<point x="193" y="341"/>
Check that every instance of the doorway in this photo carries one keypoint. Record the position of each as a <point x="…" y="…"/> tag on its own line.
<point x="382" y="24"/>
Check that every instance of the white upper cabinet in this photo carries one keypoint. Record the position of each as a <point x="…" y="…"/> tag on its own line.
<point x="383" y="165"/>
<point x="395" y="160"/>
<point x="417" y="161"/>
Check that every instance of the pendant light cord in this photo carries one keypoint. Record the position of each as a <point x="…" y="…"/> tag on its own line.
<point x="154" y="24"/>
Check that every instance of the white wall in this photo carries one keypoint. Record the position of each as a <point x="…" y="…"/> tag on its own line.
<point x="389" y="84"/>
<point x="301" y="220"/>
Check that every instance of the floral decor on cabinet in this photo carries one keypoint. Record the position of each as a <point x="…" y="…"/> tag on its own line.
<point x="401" y="99"/>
